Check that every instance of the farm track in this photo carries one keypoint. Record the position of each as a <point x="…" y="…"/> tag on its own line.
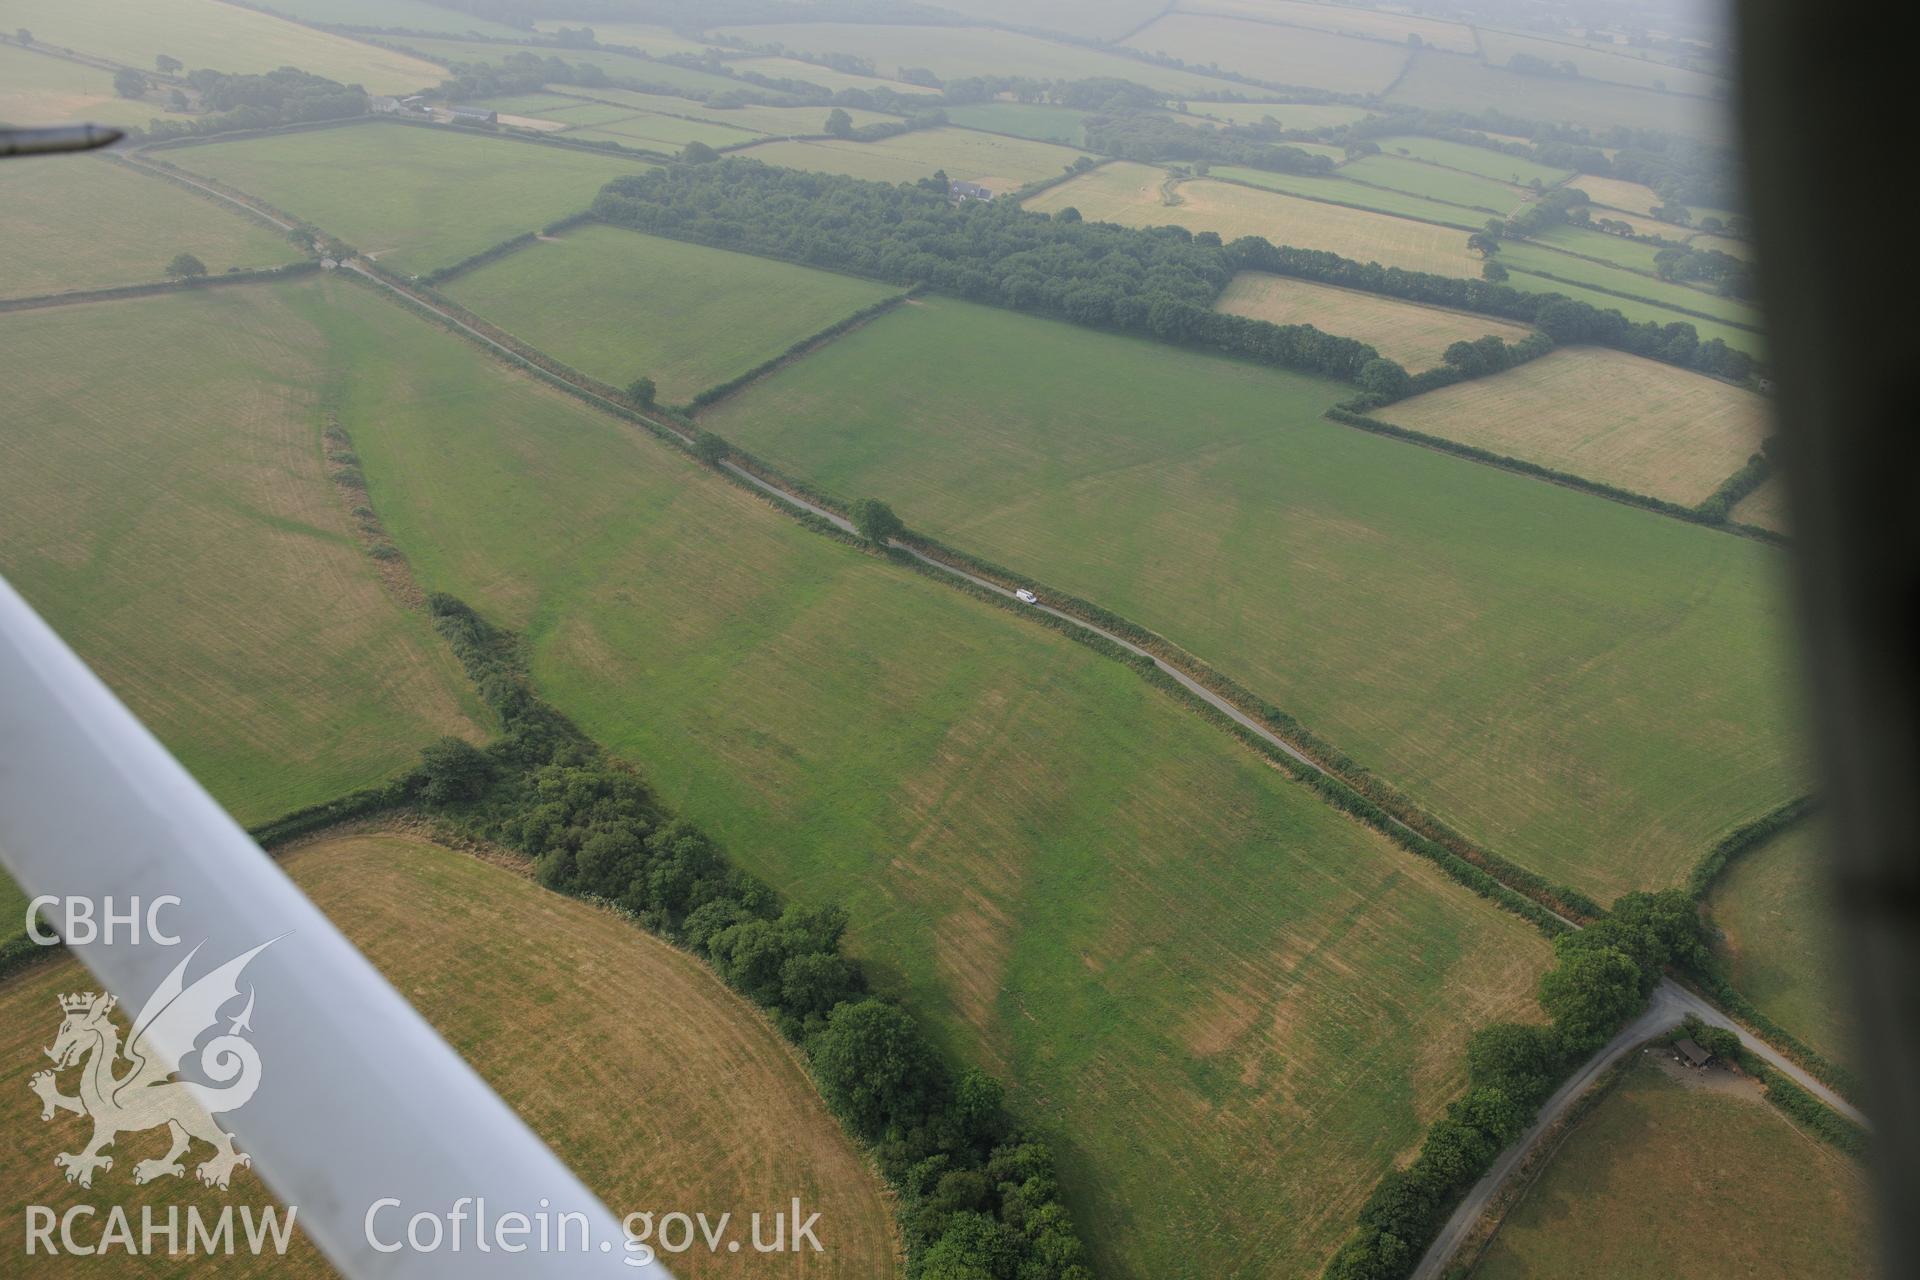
<point x="1670" y="1002"/>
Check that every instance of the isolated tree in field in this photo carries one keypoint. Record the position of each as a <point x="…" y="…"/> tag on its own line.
<point x="839" y="123"/>
<point x="642" y="391"/>
<point x="129" y="83"/>
<point x="1494" y="272"/>
<point x="874" y="520"/>
<point x="166" y="64"/>
<point x="186" y="267"/>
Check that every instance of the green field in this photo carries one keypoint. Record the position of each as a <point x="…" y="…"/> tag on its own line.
<point x="209" y="34"/>
<point x="1337" y="189"/>
<point x="392" y="15"/>
<point x="665" y="134"/>
<point x="1499" y="47"/>
<point x="1000" y="163"/>
<point x="826" y="77"/>
<point x="1374" y="24"/>
<point x="1679" y="1173"/>
<point x="762" y="120"/>
<point x="618" y="305"/>
<point x="622" y="67"/>
<point x="1041" y="123"/>
<point x="1412" y="333"/>
<point x="87" y="224"/>
<point x="1276" y="55"/>
<point x="1291" y="115"/>
<point x="1537" y="259"/>
<point x="1484" y="161"/>
<point x="954" y="52"/>
<point x="1587" y="242"/>
<point x="421" y="198"/>
<point x="1634" y="309"/>
<point x="1186" y="966"/>
<point x="1774" y="909"/>
<point x="41" y="89"/>
<point x="1435" y="182"/>
<point x="1595" y="691"/>
<point x="1454" y="82"/>
<point x="169" y="511"/>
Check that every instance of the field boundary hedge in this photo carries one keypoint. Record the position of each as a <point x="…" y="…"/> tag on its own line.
<point x="167" y="173"/>
<point x="1743" y="839"/>
<point x="804" y="347"/>
<point x="263" y="275"/>
<point x="1520" y="466"/>
<point x="440" y="275"/>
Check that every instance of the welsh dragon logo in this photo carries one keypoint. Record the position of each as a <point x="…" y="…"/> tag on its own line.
<point x="144" y="1096"/>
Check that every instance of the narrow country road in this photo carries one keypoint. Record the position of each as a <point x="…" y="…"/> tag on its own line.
<point x="1671" y="1002"/>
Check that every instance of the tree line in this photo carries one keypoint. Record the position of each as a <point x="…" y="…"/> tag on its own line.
<point x="1601" y="978"/>
<point x="285" y="96"/>
<point x="1160" y="283"/>
<point x="978" y="1196"/>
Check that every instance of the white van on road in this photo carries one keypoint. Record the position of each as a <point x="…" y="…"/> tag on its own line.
<point x="1025" y="596"/>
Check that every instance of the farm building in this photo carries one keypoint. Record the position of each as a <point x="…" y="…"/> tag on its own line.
<point x="1692" y="1053"/>
<point x="958" y="190"/>
<point x="479" y="114"/>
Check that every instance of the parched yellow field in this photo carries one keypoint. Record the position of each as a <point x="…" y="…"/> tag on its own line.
<point x="1688" y="1174"/>
<point x="83" y="223"/>
<point x="1617" y="193"/>
<point x="671" y="1092"/>
<point x="1131" y="194"/>
<point x="223" y="37"/>
<point x="1602" y="414"/>
<point x="40" y="88"/>
<point x="1717" y="244"/>
<point x="1348" y="19"/>
<point x="1765" y="506"/>
<point x="993" y="160"/>
<point x="1409" y="332"/>
<point x="1274" y="54"/>
<point x="165" y="505"/>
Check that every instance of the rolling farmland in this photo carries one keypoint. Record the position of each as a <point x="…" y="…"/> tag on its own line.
<point x="1336" y="189"/>
<point x="1499" y="48"/>
<point x="1671" y="1174"/>
<point x="1774" y="907"/>
<point x="88" y="224"/>
<point x="1452" y="82"/>
<point x="1376" y="24"/>
<point x="170" y="514"/>
<point x="618" y="305"/>
<point x="1436" y="182"/>
<point x="1409" y="332"/>
<point x="207" y="33"/>
<point x="42" y="89"/>
<point x="408" y="205"/>
<point x="1291" y="115"/>
<point x="1484" y="161"/>
<point x="1133" y="195"/>
<point x="495" y="963"/>
<point x="1508" y="652"/>
<point x="1185" y="965"/>
<point x="1765" y="506"/>
<point x="1276" y="55"/>
<point x="1665" y="431"/>
<point x="998" y="163"/>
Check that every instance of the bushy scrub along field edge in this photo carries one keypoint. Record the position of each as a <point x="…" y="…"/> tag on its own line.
<point x="1184" y="965"/>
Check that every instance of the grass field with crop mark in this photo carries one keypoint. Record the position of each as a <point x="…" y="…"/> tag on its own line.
<point x="1676" y="1174"/>
<point x="1185" y="965"/>
<point x="999" y="163"/>
<point x="1595" y="692"/>
<point x="169" y="512"/>
<point x="675" y="1092"/>
<point x="1274" y="54"/>
<point x="415" y="202"/>
<point x="1780" y="940"/>
<point x="618" y="305"/>
<point x="89" y="224"/>
<point x="220" y="37"/>
<point x="1623" y="420"/>
<point x="1409" y="332"/>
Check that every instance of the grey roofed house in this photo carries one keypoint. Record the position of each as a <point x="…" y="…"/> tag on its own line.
<point x="968" y="191"/>
<point x="1692" y="1053"/>
<point x="474" y="113"/>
